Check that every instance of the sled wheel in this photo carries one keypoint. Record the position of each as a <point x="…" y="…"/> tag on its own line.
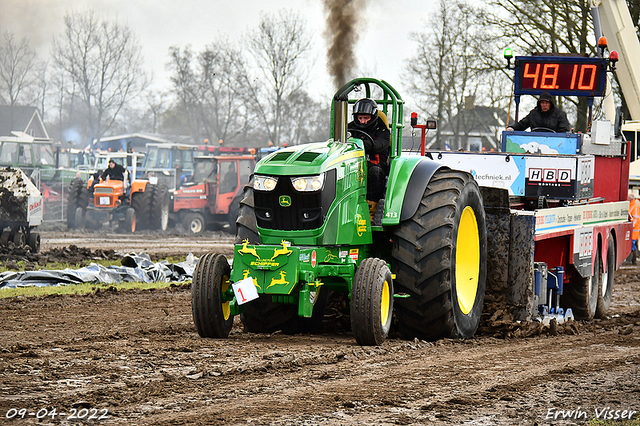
<point x="581" y="294"/>
<point x="440" y="260"/>
<point x="5" y="238"/>
<point x="159" y="213"/>
<point x="371" y="302"/>
<point x="130" y="221"/>
<point x="79" y="218"/>
<point x="194" y="223"/>
<point x="211" y="314"/>
<point x="605" y="281"/>
<point x="19" y="239"/>
<point x="34" y="242"/>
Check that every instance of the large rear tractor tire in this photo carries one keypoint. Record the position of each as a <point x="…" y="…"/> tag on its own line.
<point x="440" y="260"/>
<point x="247" y="225"/>
<point x="211" y="315"/>
<point x="605" y="281"/>
<point x="371" y="302"/>
<point x="194" y="223"/>
<point x="78" y="197"/>
<point x="159" y="213"/>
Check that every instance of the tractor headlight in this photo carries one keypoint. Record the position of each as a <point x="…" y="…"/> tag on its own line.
<point x="264" y="183"/>
<point x="308" y="183"/>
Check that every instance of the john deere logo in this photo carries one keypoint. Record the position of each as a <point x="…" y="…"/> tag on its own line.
<point x="285" y="200"/>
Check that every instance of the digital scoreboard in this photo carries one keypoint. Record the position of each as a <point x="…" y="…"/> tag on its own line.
<point x="560" y="75"/>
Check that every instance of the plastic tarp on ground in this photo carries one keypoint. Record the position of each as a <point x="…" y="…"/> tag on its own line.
<point x="135" y="267"/>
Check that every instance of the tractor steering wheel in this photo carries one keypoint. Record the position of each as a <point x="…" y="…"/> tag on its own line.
<point x="543" y="129"/>
<point x="363" y="133"/>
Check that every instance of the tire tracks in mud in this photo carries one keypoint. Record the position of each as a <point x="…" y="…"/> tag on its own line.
<point x="137" y="354"/>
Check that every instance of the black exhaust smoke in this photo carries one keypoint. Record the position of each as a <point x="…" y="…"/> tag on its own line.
<point x="343" y="18"/>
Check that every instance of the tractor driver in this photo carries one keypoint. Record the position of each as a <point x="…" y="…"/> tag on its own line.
<point x="544" y="117"/>
<point x="366" y="125"/>
<point x="114" y="172"/>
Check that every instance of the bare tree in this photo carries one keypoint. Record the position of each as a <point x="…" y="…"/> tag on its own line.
<point x="103" y="63"/>
<point x="210" y="92"/>
<point x="548" y="26"/>
<point x="20" y="72"/>
<point x="279" y="47"/>
<point x="449" y="64"/>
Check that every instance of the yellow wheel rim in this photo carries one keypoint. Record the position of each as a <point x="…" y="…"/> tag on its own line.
<point x="467" y="260"/>
<point x="384" y="305"/>
<point x="226" y="310"/>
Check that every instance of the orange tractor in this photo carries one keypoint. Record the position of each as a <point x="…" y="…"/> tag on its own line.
<point x="121" y="203"/>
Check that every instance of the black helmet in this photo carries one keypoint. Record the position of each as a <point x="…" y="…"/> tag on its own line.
<point x="365" y="106"/>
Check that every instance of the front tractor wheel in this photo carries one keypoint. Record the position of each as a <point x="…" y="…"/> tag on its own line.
<point x="194" y="223"/>
<point x="440" y="260"/>
<point x="371" y="302"/>
<point x="130" y="221"/>
<point x="211" y="313"/>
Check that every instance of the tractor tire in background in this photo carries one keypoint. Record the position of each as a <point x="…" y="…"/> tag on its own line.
<point x="141" y="203"/>
<point x="130" y="221"/>
<point x="159" y="213"/>
<point x="262" y="315"/>
<point x="211" y="314"/>
<point x="439" y="257"/>
<point x="605" y="281"/>
<point x="234" y="210"/>
<point x="34" y="242"/>
<point x="19" y="239"/>
<point x="79" y="218"/>
<point x="78" y="197"/>
<point x="371" y="302"/>
<point x="194" y="223"/>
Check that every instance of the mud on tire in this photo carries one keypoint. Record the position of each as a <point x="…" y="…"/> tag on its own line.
<point x="605" y="281"/>
<point x="439" y="258"/>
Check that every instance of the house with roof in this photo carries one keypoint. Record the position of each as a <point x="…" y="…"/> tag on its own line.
<point x="16" y="120"/>
<point x="474" y="128"/>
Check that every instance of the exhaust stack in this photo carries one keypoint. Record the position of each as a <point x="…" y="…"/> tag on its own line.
<point x="340" y="121"/>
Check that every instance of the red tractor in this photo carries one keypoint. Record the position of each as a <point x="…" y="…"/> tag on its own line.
<point x="212" y="196"/>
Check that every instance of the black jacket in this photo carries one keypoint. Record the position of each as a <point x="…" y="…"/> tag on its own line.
<point x="554" y="119"/>
<point x="115" y="173"/>
<point x="381" y="140"/>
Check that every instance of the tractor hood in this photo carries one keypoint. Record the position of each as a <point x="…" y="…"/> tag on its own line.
<point x="310" y="159"/>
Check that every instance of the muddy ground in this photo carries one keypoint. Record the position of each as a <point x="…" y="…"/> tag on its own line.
<point x="135" y="357"/>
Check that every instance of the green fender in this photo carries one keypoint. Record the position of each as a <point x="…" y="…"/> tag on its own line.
<point x="408" y="179"/>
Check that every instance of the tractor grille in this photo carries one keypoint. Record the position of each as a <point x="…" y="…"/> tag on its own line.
<point x="307" y="210"/>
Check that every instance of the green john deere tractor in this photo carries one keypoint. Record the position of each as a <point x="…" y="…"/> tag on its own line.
<point x="305" y="229"/>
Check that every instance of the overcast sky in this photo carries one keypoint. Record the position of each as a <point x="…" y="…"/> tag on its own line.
<point x="383" y="47"/>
